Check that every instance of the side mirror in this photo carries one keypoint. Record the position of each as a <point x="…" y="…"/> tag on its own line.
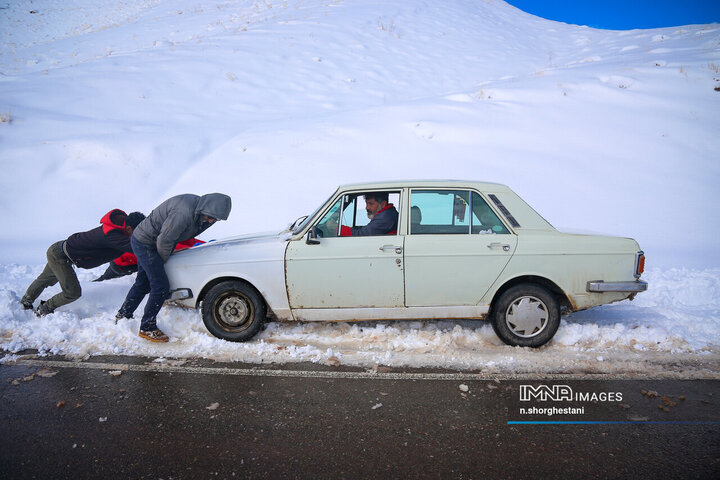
<point x="312" y="236"/>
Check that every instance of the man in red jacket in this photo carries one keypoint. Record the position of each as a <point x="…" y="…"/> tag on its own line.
<point x="84" y="250"/>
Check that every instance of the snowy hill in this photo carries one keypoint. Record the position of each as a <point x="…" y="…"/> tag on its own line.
<point x="109" y="103"/>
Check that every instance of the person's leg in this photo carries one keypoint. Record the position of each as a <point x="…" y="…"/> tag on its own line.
<point x="141" y="287"/>
<point x="137" y="292"/>
<point x="159" y="290"/>
<point x="151" y="278"/>
<point x="62" y="267"/>
<point x="46" y="279"/>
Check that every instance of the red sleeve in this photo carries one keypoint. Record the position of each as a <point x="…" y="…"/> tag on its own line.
<point x="187" y="243"/>
<point x="126" y="259"/>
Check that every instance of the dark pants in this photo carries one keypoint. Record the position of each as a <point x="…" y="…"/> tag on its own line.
<point x="59" y="268"/>
<point x="151" y="278"/>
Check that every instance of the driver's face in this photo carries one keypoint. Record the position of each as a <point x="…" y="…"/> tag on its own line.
<point x="372" y="207"/>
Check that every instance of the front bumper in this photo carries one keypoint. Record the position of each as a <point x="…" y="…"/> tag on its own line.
<point x="600" y="286"/>
<point x="180" y="294"/>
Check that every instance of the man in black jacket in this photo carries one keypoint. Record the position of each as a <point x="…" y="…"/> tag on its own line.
<point x="84" y="250"/>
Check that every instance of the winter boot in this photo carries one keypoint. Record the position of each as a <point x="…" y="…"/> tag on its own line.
<point x="27" y="305"/>
<point x="43" y="309"/>
<point x="156" y="335"/>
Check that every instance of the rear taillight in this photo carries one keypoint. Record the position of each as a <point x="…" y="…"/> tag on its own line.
<point x="639" y="264"/>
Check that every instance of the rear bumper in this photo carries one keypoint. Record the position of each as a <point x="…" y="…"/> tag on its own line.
<point x="600" y="286"/>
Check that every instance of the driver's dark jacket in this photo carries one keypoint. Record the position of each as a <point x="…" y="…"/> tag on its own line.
<point x="383" y="223"/>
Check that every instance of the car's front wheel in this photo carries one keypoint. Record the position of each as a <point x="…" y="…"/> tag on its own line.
<point x="526" y="315"/>
<point x="233" y="311"/>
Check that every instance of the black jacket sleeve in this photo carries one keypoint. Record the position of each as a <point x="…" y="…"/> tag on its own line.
<point x="117" y="240"/>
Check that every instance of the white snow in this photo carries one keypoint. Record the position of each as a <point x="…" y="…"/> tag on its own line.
<point x="121" y="104"/>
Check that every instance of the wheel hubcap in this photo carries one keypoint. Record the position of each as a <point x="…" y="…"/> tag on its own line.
<point x="234" y="311"/>
<point x="527" y="316"/>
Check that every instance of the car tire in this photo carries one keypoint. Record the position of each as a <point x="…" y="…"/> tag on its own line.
<point x="526" y="315"/>
<point x="233" y="311"/>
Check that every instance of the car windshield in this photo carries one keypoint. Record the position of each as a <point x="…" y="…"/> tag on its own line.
<point x="305" y="222"/>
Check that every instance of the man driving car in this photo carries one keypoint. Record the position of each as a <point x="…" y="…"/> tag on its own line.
<point x="383" y="217"/>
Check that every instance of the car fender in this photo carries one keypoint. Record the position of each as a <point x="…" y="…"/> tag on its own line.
<point x="258" y="261"/>
<point x="565" y="263"/>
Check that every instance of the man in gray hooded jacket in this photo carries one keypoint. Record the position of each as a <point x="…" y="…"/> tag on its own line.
<point x="175" y="220"/>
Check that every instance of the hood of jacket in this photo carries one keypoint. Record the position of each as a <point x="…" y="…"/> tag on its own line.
<point x="216" y="205"/>
<point x="108" y="225"/>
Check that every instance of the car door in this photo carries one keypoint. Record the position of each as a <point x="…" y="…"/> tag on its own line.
<point x="346" y="271"/>
<point x="456" y="248"/>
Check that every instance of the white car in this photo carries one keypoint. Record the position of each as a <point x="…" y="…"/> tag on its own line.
<point x="459" y="250"/>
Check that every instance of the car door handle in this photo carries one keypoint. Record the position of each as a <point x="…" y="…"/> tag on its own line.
<point x="504" y="246"/>
<point x="386" y="248"/>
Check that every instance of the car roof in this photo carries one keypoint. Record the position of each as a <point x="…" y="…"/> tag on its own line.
<point x="523" y="213"/>
<point x="485" y="186"/>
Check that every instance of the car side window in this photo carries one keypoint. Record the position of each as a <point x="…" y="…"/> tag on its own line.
<point x="440" y="212"/>
<point x="329" y="225"/>
<point x="452" y="212"/>
<point x="484" y="219"/>
<point x="351" y="211"/>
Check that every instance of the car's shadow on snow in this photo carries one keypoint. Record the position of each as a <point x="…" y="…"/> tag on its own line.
<point x="609" y="315"/>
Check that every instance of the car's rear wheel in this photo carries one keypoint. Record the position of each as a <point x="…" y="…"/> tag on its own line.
<point x="526" y="315"/>
<point x="233" y="311"/>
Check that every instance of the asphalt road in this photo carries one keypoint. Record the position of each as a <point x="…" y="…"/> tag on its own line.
<point x="138" y="418"/>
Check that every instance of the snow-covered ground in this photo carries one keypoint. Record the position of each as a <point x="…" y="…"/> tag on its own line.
<point x="121" y="104"/>
<point x="669" y="331"/>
